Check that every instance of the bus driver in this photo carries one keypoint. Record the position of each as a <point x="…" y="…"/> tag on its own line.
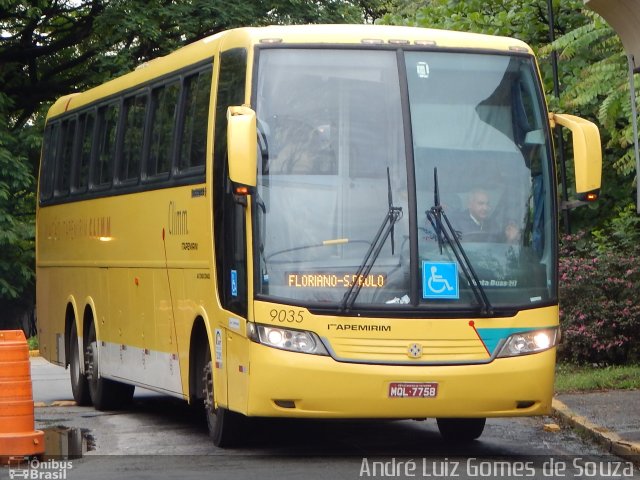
<point x="476" y="222"/>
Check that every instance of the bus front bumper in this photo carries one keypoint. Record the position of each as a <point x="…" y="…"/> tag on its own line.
<point x="286" y="384"/>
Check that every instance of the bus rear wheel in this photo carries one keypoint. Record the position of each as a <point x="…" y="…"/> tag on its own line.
<point x="461" y="430"/>
<point x="79" y="384"/>
<point x="105" y="394"/>
<point x="226" y="428"/>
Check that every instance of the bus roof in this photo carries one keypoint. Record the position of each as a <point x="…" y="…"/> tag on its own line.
<point x="345" y="34"/>
<point x="357" y="34"/>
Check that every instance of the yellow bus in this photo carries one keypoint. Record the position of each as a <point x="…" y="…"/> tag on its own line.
<point x="339" y="221"/>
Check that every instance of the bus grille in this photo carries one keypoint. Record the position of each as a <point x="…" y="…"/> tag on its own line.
<point x="441" y="351"/>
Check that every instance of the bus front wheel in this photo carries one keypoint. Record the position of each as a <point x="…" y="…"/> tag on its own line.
<point x="461" y="430"/>
<point x="226" y="428"/>
<point x="105" y="394"/>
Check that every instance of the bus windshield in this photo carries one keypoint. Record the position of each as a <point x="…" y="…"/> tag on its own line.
<point x="348" y="136"/>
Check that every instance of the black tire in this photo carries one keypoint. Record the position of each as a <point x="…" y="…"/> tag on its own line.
<point x="461" y="430"/>
<point x="105" y="394"/>
<point x="79" y="384"/>
<point x="226" y="428"/>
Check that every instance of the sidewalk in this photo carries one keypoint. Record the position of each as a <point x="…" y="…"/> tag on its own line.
<point x="611" y="418"/>
<point x="51" y="383"/>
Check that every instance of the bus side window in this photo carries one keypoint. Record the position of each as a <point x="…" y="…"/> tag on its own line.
<point x="63" y="165"/>
<point x="193" y="135"/>
<point x="164" y="109"/>
<point x="229" y="216"/>
<point x="48" y="168"/>
<point x="80" y="176"/>
<point x="135" y="109"/>
<point x="102" y="169"/>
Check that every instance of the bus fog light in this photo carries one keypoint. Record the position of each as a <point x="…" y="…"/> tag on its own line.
<point x="524" y="343"/>
<point x="287" y="339"/>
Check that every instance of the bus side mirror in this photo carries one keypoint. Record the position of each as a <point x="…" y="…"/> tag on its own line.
<point x="587" y="154"/>
<point x="242" y="147"/>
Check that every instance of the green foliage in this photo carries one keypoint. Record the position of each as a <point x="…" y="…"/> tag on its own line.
<point x="527" y="21"/>
<point x="620" y="233"/>
<point x="599" y="89"/>
<point x="33" y="343"/>
<point x="16" y="212"/>
<point x="599" y="315"/>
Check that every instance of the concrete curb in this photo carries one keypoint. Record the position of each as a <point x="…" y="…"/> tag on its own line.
<point x="610" y="440"/>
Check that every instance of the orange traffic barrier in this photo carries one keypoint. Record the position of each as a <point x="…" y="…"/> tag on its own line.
<point x="18" y="439"/>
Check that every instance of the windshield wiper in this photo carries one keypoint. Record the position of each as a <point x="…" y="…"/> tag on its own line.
<point x="386" y="228"/>
<point x="444" y="230"/>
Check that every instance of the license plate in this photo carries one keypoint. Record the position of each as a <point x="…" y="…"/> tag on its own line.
<point x="413" y="390"/>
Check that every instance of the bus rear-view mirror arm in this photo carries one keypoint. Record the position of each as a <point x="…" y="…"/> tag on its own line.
<point x="587" y="154"/>
<point x="242" y="147"/>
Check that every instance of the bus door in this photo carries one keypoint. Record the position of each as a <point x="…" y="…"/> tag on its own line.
<point x="230" y="355"/>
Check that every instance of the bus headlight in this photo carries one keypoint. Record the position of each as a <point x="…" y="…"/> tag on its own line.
<point x="287" y="339"/>
<point x="529" y="342"/>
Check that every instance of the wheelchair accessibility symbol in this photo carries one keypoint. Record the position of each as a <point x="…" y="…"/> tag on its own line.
<point x="440" y="280"/>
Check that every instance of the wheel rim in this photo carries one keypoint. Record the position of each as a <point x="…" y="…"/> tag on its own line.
<point x="75" y="362"/>
<point x="91" y="364"/>
<point x="207" y="391"/>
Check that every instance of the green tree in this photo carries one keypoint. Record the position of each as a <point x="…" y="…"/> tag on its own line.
<point x="527" y="21"/>
<point x="598" y="87"/>
<point x="16" y="217"/>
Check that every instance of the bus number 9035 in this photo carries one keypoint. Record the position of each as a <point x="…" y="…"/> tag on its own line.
<point x="286" y="316"/>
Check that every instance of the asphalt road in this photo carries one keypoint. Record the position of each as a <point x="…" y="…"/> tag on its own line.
<point x="160" y="437"/>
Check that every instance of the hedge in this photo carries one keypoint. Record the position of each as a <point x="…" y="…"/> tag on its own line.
<point x="599" y="308"/>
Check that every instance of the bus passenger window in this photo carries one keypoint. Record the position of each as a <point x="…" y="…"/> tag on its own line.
<point x="135" y="111"/>
<point x="85" y="126"/>
<point x="164" y="107"/>
<point x="102" y="172"/>
<point x="63" y="170"/>
<point x="49" y="161"/>
<point x="193" y="140"/>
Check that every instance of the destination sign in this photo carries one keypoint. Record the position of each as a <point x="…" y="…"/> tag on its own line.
<point x="334" y="280"/>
